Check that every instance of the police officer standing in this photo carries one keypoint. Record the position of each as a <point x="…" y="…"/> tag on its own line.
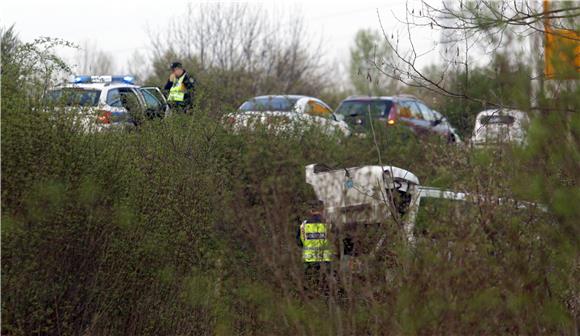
<point x="317" y="252"/>
<point x="181" y="88"/>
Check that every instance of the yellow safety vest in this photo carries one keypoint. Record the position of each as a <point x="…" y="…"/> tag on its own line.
<point x="177" y="91"/>
<point x="315" y="245"/>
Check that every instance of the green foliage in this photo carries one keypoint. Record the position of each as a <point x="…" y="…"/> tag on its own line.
<point x="32" y="67"/>
<point x="184" y="226"/>
<point x="369" y="53"/>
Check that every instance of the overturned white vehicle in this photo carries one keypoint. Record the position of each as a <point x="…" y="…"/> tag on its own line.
<point x="368" y="195"/>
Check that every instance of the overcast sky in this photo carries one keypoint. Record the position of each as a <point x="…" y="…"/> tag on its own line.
<point x="120" y="27"/>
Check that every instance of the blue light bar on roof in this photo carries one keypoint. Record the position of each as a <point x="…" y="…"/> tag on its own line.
<point x="85" y="79"/>
<point x="81" y="79"/>
<point x="124" y="79"/>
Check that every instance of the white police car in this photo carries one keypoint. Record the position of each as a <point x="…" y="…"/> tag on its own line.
<point x="101" y="102"/>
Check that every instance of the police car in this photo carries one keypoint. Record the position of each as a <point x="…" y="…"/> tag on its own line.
<point x="101" y="102"/>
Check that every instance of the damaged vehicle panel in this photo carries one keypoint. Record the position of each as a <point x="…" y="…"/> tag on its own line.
<point x="365" y="195"/>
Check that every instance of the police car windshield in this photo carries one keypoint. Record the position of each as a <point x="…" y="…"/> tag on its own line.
<point x="283" y="104"/>
<point x="74" y="97"/>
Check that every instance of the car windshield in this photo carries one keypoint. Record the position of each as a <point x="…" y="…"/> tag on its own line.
<point x="74" y="97"/>
<point x="284" y="104"/>
<point x="378" y="108"/>
<point x="497" y="119"/>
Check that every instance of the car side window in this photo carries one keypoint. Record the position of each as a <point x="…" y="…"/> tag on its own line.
<point x="129" y="99"/>
<point x="156" y="93"/>
<point x="114" y="98"/>
<point x="404" y="109"/>
<point x="150" y="100"/>
<point x="314" y="108"/>
<point x="408" y="109"/>
<point x="426" y="112"/>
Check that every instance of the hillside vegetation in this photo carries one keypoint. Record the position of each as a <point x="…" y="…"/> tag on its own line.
<point x="182" y="226"/>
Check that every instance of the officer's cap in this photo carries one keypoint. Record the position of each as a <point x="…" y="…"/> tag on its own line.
<point x="175" y="65"/>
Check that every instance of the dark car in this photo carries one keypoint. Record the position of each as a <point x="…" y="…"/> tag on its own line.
<point x="402" y="110"/>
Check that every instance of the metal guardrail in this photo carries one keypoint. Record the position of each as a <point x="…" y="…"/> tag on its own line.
<point x="431" y="192"/>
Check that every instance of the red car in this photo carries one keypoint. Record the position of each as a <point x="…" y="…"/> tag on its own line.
<point x="402" y="110"/>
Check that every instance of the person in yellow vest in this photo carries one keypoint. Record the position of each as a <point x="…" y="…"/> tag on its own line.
<point x="317" y="252"/>
<point x="181" y="88"/>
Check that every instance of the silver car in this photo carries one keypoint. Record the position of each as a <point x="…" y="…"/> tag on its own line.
<point x="286" y="113"/>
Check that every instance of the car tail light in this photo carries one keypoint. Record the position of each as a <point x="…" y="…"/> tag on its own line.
<point x="231" y="120"/>
<point x="104" y="117"/>
<point x="391" y="119"/>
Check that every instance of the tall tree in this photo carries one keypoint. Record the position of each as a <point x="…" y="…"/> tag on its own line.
<point x="91" y="60"/>
<point x="240" y="50"/>
<point x="369" y="52"/>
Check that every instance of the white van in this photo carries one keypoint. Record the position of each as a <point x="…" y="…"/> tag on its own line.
<point x="498" y="126"/>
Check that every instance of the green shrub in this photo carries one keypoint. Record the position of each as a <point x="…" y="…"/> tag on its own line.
<point x="184" y="227"/>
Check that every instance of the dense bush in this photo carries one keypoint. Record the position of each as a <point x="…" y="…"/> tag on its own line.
<point x="184" y="227"/>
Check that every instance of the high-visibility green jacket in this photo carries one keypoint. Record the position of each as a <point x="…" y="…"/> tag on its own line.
<point x="177" y="91"/>
<point x="181" y="90"/>
<point x="315" y="244"/>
